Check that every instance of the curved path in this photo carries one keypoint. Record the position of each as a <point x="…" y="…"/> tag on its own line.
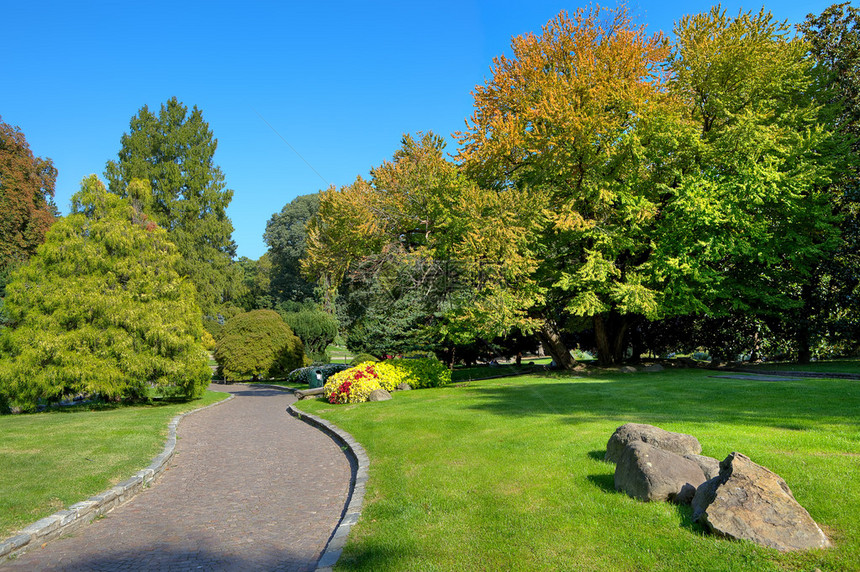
<point x="249" y="488"/>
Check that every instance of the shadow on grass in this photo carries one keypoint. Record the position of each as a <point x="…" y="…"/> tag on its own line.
<point x="606" y="483"/>
<point x="682" y="396"/>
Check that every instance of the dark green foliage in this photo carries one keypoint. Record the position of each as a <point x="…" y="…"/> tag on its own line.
<point x="258" y="345"/>
<point x="175" y="151"/>
<point x="429" y="372"/>
<point x="286" y="237"/>
<point x="361" y="358"/>
<point x="100" y="309"/>
<point x="316" y="328"/>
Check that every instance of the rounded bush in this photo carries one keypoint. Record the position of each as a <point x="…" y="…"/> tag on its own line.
<point x="258" y="345"/>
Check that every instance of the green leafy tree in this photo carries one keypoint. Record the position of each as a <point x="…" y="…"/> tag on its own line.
<point x="26" y="200"/>
<point x="256" y="278"/>
<point x="576" y="120"/>
<point x="832" y="298"/>
<point x="101" y="310"/>
<point x="174" y="150"/>
<point x="258" y="345"/>
<point x="286" y="236"/>
<point x="691" y="188"/>
<point x="764" y="160"/>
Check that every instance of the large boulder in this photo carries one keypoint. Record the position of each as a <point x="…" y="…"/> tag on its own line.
<point x="709" y="465"/>
<point x="747" y="501"/>
<point x="650" y="474"/>
<point x="679" y="443"/>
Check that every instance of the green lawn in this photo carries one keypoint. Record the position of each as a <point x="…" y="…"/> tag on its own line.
<point x="508" y="474"/>
<point x="49" y="461"/>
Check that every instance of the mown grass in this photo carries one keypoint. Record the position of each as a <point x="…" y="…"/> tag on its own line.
<point x="51" y="460"/>
<point x="508" y="474"/>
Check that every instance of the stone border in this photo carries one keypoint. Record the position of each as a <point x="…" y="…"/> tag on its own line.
<point x="79" y="514"/>
<point x="361" y="464"/>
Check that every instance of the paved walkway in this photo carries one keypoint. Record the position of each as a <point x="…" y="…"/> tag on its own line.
<point x="250" y="488"/>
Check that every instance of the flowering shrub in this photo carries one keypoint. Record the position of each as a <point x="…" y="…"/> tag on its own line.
<point x="390" y="375"/>
<point x="353" y="385"/>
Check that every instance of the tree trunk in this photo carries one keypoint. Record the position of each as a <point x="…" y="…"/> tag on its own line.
<point x="552" y="341"/>
<point x="610" y="334"/>
<point x="803" y="337"/>
<point x="604" y="355"/>
<point x="620" y="345"/>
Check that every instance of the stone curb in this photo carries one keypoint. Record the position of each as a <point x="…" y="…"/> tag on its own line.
<point x="79" y="514"/>
<point x="361" y="466"/>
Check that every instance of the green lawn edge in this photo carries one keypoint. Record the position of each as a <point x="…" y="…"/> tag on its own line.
<point x="51" y="460"/>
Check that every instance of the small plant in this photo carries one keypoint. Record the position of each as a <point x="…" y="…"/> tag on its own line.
<point x="355" y="384"/>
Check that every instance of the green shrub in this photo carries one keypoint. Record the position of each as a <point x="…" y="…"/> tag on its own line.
<point x="361" y="358"/>
<point x="258" y="345"/>
<point x="424" y="372"/>
<point x="316" y="328"/>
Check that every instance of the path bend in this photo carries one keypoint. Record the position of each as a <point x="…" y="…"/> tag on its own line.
<point x="249" y="488"/>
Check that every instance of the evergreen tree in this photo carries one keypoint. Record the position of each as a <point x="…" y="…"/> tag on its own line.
<point x="100" y="309"/>
<point x="286" y="236"/>
<point x="175" y="151"/>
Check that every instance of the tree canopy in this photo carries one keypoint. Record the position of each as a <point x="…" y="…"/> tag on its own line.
<point x="101" y="310"/>
<point x="607" y="179"/>
<point x="26" y="199"/>
<point x="174" y="150"/>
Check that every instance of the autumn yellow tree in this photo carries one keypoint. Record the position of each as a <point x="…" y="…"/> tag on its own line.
<point x="577" y="116"/>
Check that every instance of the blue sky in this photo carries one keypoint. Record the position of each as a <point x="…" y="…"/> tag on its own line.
<point x="340" y="81"/>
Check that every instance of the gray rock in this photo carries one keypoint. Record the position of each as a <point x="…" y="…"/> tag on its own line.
<point x="404" y="387"/>
<point x="654" y="367"/>
<point x="747" y="501"/>
<point x="379" y="395"/>
<point x="627" y="369"/>
<point x="679" y="443"/>
<point x="650" y="474"/>
<point x="709" y="465"/>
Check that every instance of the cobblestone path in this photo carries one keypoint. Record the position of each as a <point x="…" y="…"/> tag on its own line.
<point x="250" y="488"/>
